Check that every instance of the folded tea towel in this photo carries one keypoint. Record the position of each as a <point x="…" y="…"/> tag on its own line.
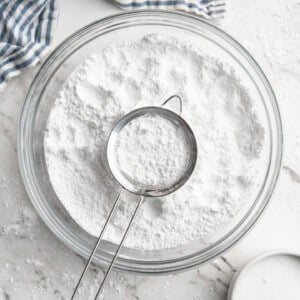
<point x="205" y="8"/>
<point x="26" y="28"/>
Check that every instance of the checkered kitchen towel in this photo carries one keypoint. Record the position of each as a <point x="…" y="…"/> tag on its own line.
<point x="205" y="8"/>
<point x="26" y="28"/>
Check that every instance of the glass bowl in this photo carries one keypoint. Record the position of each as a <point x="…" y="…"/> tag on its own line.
<point x="42" y="93"/>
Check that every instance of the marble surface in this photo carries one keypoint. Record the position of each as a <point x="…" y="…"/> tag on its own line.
<point x="35" y="265"/>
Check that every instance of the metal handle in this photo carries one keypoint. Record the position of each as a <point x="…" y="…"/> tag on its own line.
<point x="108" y="220"/>
<point x="98" y="242"/>
<point x="179" y="101"/>
<point x="119" y="248"/>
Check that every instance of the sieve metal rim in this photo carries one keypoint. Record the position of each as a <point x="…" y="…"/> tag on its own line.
<point x="177" y="120"/>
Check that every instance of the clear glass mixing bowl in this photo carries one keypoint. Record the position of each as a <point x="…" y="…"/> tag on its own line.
<point x="64" y="59"/>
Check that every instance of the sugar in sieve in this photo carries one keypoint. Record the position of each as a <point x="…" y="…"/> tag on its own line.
<point x="135" y="187"/>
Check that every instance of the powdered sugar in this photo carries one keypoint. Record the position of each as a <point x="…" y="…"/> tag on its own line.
<point x="145" y="72"/>
<point x="152" y="152"/>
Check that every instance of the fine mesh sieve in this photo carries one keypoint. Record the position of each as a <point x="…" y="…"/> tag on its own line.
<point x="135" y="187"/>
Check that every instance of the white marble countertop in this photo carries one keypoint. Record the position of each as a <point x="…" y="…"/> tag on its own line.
<point x="35" y="265"/>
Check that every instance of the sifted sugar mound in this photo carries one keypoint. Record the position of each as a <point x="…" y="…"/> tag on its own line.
<point x="219" y="108"/>
<point x="152" y="152"/>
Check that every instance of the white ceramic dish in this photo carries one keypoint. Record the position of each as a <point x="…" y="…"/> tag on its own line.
<point x="274" y="275"/>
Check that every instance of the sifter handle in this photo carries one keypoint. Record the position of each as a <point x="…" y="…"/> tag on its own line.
<point x="98" y="242"/>
<point x="179" y="101"/>
<point x="119" y="247"/>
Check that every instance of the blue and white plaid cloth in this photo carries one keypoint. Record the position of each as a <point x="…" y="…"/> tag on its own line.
<point x="26" y="28"/>
<point x="205" y="8"/>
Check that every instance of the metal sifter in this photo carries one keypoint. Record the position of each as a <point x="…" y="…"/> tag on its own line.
<point x="134" y="187"/>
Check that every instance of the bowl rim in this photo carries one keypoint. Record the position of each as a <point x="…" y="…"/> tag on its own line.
<point x="165" y="266"/>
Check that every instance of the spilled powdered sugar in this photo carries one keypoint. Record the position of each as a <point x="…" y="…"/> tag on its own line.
<point x="144" y="72"/>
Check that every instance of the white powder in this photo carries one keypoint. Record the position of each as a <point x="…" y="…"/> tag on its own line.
<point x="152" y="152"/>
<point x="144" y="72"/>
<point x="273" y="277"/>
